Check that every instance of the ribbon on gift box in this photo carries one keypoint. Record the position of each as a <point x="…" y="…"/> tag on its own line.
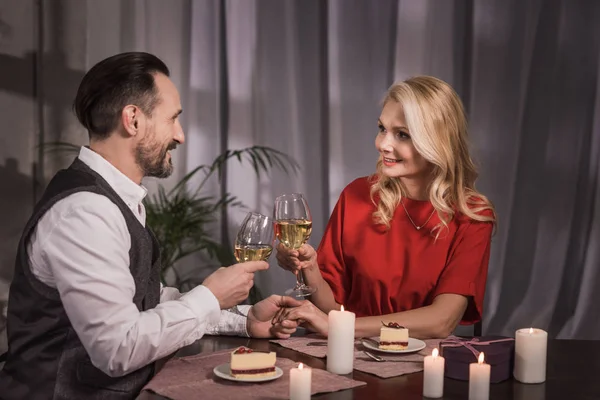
<point x="454" y="341"/>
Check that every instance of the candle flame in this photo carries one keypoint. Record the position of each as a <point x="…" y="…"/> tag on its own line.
<point x="342" y="308"/>
<point x="435" y="353"/>
<point x="530" y="331"/>
<point x="481" y="357"/>
<point x="300" y="366"/>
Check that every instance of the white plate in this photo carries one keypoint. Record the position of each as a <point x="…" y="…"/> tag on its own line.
<point x="413" y="345"/>
<point x="224" y="371"/>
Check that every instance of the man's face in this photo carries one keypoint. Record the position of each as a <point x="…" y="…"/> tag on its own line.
<point x="163" y="131"/>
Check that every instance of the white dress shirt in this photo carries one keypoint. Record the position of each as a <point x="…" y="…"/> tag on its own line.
<point x="81" y="247"/>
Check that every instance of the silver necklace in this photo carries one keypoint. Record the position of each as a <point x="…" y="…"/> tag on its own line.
<point x="417" y="227"/>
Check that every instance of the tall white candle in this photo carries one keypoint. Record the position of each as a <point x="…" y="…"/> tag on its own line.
<point x="530" y="355"/>
<point x="300" y="383"/>
<point x="433" y="376"/>
<point x="340" y="341"/>
<point x="479" y="379"/>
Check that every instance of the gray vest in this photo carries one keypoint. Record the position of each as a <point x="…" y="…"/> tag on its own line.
<point x="45" y="359"/>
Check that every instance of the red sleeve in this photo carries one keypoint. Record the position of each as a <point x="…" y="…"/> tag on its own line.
<point x="466" y="271"/>
<point x="330" y="257"/>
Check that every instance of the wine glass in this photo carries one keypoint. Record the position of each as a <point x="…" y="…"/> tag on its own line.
<point x="254" y="240"/>
<point x="293" y="226"/>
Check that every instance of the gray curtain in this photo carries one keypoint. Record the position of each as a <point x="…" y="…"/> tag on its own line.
<point x="307" y="77"/>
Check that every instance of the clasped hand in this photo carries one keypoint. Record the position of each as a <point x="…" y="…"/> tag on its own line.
<point x="299" y="313"/>
<point x="275" y="316"/>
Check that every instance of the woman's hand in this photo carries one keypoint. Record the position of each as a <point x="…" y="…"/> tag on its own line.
<point x="304" y="260"/>
<point x="308" y="315"/>
<point x="296" y="259"/>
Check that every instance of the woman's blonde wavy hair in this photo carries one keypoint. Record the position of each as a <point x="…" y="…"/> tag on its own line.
<point x="438" y="128"/>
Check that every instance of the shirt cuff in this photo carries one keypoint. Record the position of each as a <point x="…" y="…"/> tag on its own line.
<point x="204" y="304"/>
<point x="230" y="324"/>
<point x="244" y="309"/>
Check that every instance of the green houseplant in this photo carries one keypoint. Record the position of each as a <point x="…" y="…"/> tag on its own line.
<point x="181" y="217"/>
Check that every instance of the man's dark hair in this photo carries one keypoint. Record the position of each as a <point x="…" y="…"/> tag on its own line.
<point x="112" y="84"/>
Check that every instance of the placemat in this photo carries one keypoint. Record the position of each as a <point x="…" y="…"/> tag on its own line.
<point x="394" y="364"/>
<point x="188" y="377"/>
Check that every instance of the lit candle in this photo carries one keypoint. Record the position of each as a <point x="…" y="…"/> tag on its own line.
<point x="433" y="376"/>
<point x="300" y="382"/>
<point x="530" y="355"/>
<point x="479" y="380"/>
<point x="340" y="341"/>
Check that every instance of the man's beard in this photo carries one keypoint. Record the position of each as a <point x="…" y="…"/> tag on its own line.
<point x="154" y="165"/>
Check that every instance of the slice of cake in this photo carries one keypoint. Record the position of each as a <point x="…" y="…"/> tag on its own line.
<point x="248" y="363"/>
<point x="393" y="337"/>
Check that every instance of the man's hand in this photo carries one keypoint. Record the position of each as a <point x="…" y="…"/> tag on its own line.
<point x="231" y="285"/>
<point x="261" y="315"/>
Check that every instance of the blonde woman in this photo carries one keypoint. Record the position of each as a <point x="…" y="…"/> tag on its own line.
<point x="411" y="243"/>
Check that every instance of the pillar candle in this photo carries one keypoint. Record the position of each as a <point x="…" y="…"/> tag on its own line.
<point x="479" y="379"/>
<point x="530" y="355"/>
<point x="340" y="342"/>
<point x="300" y="383"/>
<point x="433" y="376"/>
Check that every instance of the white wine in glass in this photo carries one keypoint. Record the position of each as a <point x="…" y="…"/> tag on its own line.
<point x="293" y="233"/>
<point x="254" y="241"/>
<point x="293" y="226"/>
<point x="252" y="252"/>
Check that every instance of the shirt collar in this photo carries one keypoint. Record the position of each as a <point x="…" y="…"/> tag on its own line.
<point x="131" y="193"/>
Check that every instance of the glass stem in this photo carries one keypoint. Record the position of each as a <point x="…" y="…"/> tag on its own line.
<point x="299" y="279"/>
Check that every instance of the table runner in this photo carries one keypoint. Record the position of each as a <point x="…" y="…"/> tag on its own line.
<point x="192" y="378"/>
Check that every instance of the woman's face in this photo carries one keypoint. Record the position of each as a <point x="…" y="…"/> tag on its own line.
<point x="397" y="152"/>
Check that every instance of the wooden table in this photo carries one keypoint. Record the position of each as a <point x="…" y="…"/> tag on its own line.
<point x="573" y="373"/>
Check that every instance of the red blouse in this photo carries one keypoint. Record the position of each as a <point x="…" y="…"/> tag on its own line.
<point x="372" y="271"/>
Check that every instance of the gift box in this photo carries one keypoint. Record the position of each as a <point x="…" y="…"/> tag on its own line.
<point x="460" y="352"/>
